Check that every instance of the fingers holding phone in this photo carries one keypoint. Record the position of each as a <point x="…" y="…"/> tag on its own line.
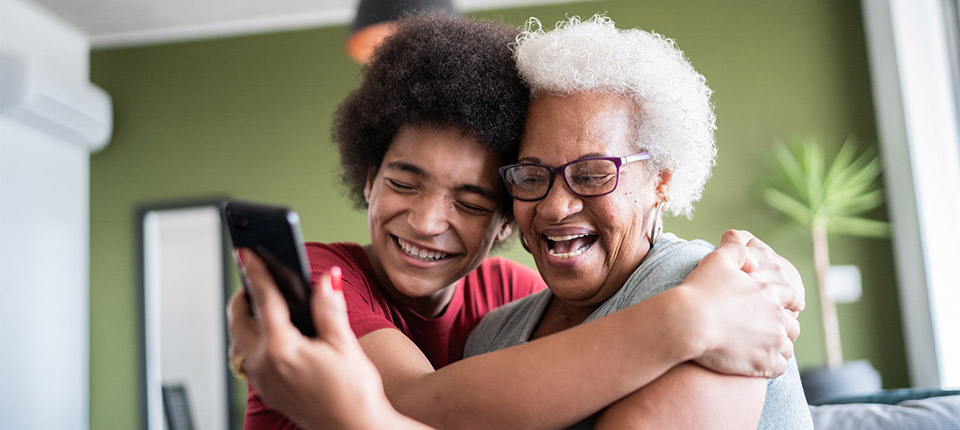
<point x="272" y="235"/>
<point x="268" y="304"/>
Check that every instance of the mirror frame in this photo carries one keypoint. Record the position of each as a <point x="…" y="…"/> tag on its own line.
<point x="226" y="266"/>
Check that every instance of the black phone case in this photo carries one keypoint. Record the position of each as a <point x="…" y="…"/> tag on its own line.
<point x="273" y="233"/>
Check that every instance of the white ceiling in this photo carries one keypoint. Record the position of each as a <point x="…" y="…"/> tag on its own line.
<point x="114" y="23"/>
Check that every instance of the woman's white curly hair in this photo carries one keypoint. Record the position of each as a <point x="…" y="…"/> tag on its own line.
<point x="674" y="118"/>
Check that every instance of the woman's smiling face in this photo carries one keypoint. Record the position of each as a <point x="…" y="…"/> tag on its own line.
<point x="433" y="213"/>
<point x="586" y="247"/>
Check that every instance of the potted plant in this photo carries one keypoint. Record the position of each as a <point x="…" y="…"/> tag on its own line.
<point x="829" y="197"/>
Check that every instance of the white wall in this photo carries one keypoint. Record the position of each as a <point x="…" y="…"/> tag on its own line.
<point x="50" y="119"/>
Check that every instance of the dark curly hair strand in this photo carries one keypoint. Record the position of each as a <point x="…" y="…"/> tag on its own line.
<point x="436" y="71"/>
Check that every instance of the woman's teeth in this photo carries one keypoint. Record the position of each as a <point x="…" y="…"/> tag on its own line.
<point x="566" y="237"/>
<point x="567" y="254"/>
<point x="420" y="254"/>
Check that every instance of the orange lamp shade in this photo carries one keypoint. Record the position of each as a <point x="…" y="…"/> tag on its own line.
<point x="362" y="43"/>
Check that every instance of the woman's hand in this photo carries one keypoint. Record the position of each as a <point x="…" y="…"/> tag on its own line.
<point x="748" y="321"/>
<point x="323" y="382"/>
<point x="765" y="265"/>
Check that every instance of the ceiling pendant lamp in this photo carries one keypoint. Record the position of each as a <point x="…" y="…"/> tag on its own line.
<point x="376" y="20"/>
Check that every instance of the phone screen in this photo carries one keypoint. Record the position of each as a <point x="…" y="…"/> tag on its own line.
<point x="273" y="233"/>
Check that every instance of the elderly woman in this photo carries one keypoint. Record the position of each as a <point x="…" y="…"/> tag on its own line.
<point x="440" y="109"/>
<point x="620" y="130"/>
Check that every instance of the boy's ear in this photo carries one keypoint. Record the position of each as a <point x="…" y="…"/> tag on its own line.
<point x="506" y="228"/>
<point x="368" y="187"/>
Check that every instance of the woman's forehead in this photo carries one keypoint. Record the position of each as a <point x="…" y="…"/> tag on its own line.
<point x="582" y="123"/>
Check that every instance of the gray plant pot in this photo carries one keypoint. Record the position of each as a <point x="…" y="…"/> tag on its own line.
<point x="853" y="378"/>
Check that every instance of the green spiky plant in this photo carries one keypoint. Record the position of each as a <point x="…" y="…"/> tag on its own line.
<point x="827" y="199"/>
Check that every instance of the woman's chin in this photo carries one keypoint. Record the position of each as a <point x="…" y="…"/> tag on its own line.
<point x="558" y="270"/>
<point x="578" y="294"/>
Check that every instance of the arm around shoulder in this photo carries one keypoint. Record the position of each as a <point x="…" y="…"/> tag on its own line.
<point x="690" y="396"/>
<point x="520" y="387"/>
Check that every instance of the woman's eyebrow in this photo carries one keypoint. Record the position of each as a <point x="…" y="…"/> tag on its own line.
<point x="536" y="160"/>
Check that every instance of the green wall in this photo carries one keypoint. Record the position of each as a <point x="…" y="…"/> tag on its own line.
<point x="249" y="118"/>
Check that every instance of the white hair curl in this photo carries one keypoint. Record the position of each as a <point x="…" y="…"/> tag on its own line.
<point x="673" y="119"/>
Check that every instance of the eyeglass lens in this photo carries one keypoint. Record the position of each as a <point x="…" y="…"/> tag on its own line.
<point x="585" y="178"/>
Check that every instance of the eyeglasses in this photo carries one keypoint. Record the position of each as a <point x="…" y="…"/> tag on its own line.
<point x="586" y="177"/>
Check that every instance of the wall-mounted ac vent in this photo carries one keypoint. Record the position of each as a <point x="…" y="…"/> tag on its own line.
<point x="78" y="112"/>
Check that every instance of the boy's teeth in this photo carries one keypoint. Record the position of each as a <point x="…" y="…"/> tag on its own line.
<point x="422" y="254"/>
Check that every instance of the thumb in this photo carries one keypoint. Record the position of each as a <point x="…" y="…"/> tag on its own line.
<point x="733" y="253"/>
<point x="330" y="309"/>
<point x="737" y="236"/>
<point x="750" y="264"/>
<point x="741" y="237"/>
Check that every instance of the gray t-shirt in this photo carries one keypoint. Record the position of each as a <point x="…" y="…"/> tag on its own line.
<point x="664" y="267"/>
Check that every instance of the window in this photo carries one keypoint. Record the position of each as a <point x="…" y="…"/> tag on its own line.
<point x="912" y="47"/>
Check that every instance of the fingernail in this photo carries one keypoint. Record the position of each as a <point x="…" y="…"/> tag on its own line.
<point x="335" y="278"/>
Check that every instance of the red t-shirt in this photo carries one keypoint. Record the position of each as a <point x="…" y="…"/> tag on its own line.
<point x="495" y="282"/>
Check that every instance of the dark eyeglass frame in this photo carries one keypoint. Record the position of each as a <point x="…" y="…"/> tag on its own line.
<point x="617" y="161"/>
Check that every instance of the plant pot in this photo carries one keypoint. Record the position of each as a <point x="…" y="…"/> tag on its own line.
<point x="853" y="378"/>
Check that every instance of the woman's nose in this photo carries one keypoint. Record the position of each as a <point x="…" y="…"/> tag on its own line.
<point x="429" y="216"/>
<point x="559" y="203"/>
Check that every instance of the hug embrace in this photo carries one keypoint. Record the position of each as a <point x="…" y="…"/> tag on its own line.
<point x="578" y="140"/>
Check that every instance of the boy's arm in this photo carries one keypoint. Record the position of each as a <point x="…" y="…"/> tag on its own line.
<point x="548" y="383"/>
<point x="559" y="379"/>
<point x="690" y="396"/>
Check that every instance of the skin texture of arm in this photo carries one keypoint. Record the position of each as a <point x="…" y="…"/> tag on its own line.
<point x="741" y="330"/>
<point x="689" y="397"/>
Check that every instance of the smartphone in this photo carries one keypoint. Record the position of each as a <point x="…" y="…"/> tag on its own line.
<point x="273" y="233"/>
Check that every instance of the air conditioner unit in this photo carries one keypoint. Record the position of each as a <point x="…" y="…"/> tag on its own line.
<point x="77" y="112"/>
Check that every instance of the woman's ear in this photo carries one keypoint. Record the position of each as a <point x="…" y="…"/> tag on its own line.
<point x="662" y="188"/>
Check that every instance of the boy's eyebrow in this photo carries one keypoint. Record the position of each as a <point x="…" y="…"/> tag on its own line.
<point x="469" y="188"/>
<point x="407" y="167"/>
<point x="476" y="189"/>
